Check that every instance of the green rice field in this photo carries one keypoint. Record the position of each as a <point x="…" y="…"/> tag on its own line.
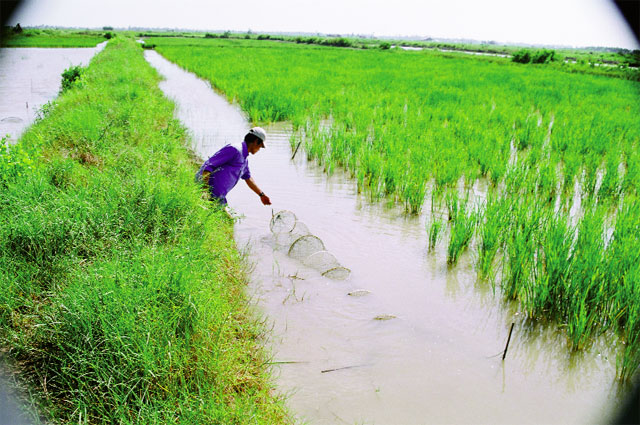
<point x="554" y="222"/>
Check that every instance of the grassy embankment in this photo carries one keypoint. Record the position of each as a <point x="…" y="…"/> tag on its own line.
<point x="121" y="293"/>
<point x="31" y="37"/>
<point x="559" y="228"/>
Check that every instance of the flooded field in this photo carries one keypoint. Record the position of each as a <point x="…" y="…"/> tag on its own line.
<point x="437" y="359"/>
<point x="29" y="78"/>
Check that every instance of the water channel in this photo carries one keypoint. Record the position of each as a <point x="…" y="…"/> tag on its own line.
<point x="439" y="359"/>
<point x="31" y="77"/>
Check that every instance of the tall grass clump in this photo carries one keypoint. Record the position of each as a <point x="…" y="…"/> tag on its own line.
<point x="493" y="214"/>
<point x="463" y="217"/>
<point x="621" y="272"/>
<point x="434" y="231"/>
<point x="121" y="292"/>
<point x="553" y="259"/>
<point x="70" y="76"/>
<point x="520" y="246"/>
<point x="587" y="305"/>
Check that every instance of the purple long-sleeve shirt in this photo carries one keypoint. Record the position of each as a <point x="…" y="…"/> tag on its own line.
<point x="226" y="166"/>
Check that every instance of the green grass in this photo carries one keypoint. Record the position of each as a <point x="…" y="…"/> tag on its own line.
<point x="121" y="291"/>
<point x="556" y="148"/>
<point x="495" y="212"/>
<point x="31" y="37"/>
<point x="434" y="230"/>
<point x="463" y="217"/>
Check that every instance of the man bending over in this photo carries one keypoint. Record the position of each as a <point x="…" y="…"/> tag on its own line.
<point x="222" y="171"/>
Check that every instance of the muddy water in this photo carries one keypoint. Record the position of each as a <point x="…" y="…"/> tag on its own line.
<point x="438" y="360"/>
<point x="31" y="77"/>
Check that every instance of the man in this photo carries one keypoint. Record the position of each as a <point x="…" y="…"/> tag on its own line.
<point x="222" y="171"/>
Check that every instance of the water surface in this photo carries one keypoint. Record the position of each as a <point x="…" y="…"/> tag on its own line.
<point x="31" y="77"/>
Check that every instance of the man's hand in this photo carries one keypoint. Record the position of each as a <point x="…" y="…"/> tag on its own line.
<point x="253" y="186"/>
<point x="265" y="199"/>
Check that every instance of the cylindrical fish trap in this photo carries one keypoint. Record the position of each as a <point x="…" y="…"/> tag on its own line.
<point x="294" y="236"/>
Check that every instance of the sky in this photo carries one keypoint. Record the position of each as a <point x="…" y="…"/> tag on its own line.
<point x="577" y="23"/>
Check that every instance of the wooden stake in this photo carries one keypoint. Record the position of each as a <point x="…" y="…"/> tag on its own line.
<point x="508" y="339"/>
<point x="296" y="151"/>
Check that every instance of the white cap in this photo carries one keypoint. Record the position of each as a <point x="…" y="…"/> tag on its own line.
<point x="259" y="133"/>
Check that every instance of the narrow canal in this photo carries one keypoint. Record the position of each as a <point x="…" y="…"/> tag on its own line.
<point x="437" y="360"/>
<point x="31" y="77"/>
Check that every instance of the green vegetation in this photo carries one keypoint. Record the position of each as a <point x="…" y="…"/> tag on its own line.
<point x="31" y="37"/>
<point x="558" y="229"/>
<point x="121" y="291"/>
<point x="539" y="56"/>
<point x="463" y="218"/>
<point x="70" y="76"/>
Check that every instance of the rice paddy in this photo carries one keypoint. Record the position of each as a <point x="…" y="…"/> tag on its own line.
<point x="557" y="228"/>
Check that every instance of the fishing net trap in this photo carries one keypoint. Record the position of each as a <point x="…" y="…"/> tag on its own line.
<point x="293" y="237"/>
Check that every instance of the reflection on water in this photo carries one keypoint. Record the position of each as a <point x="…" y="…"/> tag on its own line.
<point x="31" y="77"/>
<point x="439" y="360"/>
<point x="12" y="411"/>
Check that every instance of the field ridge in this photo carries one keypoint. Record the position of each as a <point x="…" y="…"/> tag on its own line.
<point x="122" y="294"/>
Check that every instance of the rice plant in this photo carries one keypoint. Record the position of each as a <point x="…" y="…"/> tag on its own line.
<point x="464" y="217"/>
<point x="434" y="231"/>
<point x="495" y="214"/>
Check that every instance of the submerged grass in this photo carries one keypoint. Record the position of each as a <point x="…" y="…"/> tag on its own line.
<point x="558" y="152"/>
<point x="463" y="218"/>
<point x="494" y="213"/>
<point x="121" y="292"/>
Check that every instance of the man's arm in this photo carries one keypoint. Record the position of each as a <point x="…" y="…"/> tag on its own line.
<point x="253" y="186"/>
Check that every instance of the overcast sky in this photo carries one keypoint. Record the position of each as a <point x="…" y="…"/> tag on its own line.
<point x="566" y="22"/>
